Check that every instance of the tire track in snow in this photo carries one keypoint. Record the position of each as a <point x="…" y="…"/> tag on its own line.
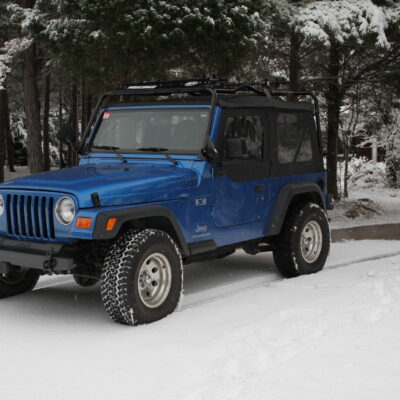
<point x="361" y="260"/>
<point x="269" y="282"/>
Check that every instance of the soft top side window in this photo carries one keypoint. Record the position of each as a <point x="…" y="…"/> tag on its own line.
<point x="294" y="137"/>
<point x="244" y="137"/>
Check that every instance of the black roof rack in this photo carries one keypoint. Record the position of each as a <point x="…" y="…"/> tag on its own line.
<point x="174" y="84"/>
<point x="220" y="85"/>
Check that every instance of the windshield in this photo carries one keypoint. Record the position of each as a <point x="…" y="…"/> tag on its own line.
<point x="176" y="130"/>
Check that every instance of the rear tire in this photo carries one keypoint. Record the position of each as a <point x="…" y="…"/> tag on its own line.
<point x="303" y="245"/>
<point x="142" y="277"/>
<point x="18" y="281"/>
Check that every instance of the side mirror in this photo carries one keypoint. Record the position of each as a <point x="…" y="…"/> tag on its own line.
<point x="67" y="135"/>
<point x="209" y="151"/>
<point x="235" y="148"/>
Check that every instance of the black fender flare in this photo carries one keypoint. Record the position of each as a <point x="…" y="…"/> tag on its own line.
<point x="128" y="214"/>
<point x="287" y="193"/>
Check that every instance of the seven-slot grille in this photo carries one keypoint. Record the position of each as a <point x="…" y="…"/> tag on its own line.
<point x="30" y="216"/>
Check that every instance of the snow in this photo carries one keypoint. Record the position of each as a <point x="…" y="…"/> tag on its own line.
<point x="241" y="333"/>
<point x="9" y="50"/>
<point x="364" y="174"/>
<point x="388" y="207"/>
<point x="96" y="34"/>
<point x="20" y="171"/>
<point x="4" y="69"/>
<point x="367" y="180"/>
<point x="343" y="19"/>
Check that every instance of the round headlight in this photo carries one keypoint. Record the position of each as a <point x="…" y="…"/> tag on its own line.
<point x="65" y="210"/>
<point x="1" y="205"/>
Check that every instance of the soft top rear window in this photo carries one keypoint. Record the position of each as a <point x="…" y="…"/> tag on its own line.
<point x="295" y="130"/>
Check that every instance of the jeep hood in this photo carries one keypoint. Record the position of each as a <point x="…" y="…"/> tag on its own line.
<point x="116" y="184"/>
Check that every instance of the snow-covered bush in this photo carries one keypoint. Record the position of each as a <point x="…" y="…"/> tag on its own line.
<point x="364" y="174"/>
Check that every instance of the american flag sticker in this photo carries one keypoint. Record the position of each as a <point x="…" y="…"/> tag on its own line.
<point x="106" y="115"/>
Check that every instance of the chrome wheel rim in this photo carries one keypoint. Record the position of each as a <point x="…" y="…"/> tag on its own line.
<point x="311" y="242"/>
<point x="154" y="281"/>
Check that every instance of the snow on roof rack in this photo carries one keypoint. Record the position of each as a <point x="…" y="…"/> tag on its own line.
<point x="173" y="84"/>
<point x="268" y="87"/>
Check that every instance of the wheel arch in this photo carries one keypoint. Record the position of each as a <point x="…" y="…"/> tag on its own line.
<point x="292" y="195"/>
<point x="155" y="217"/>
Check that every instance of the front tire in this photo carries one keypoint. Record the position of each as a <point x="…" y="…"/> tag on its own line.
<point x="18" y="281"/>
<point x="142" y="277"/>
<point x="303" y="245"/>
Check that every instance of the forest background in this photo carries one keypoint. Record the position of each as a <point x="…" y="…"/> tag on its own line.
<point x="57" y="56"/>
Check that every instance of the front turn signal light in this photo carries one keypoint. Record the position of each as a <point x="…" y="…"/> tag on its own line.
<point x="84" y="223"/>
<point x="111" y="224"/>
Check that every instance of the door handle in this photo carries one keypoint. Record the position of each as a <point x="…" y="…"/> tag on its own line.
<point x="259" y="188"/>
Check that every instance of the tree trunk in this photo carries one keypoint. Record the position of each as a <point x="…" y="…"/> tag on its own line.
<point x="32" y="105"/>
<point x="73" y="159"/>
<point x="224" y="67"/>
<point x="83" y="107"/>
<point x="88" y="108"/>
<point x="334" y="101"/>
<point x="2" y="132"/>
<point x="46" y="112"/>
<point x="7" y="133"/>
<point x="346" y="166"/>
<point x="294" y="62"/>
<point x="60" y="122"/>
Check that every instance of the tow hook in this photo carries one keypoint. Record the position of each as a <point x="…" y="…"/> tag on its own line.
<point x="50" y="264"/>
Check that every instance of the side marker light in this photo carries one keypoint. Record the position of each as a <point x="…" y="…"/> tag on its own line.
<point x="84" y="223"/>
<point x="111" y="224"/>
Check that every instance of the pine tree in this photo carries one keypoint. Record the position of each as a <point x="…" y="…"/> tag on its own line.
<point x="355" y="36"/>
<point x="3" y="71"/>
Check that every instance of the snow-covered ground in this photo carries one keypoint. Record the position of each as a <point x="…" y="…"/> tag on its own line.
<point x="368" y="181"/>
<point x="387" y="203"/>
<point x="242" y="332"/>
<point x="19" y="173"/>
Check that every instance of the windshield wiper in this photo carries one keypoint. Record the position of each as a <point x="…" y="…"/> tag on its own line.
<point x="159" y="150"/>
<point x="114" y="150"/>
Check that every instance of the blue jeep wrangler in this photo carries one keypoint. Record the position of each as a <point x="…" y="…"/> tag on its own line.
<point x="172" y="172"/>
